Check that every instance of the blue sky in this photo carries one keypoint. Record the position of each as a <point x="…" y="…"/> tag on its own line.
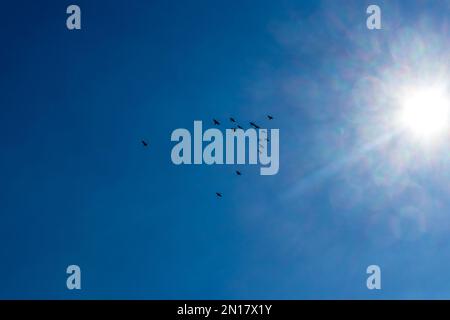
<point x="78" y="188"/>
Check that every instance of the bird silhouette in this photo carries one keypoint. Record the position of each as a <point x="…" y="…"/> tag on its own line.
<point x="238" y="173"/>
<point x="216" y="122"/>
<point x="218" y="194"/>
<point x="145" y="144"/>
<point x="254" y="125"/>
<point x="269" y="117"/>
<point x="232" y="120"/>
<point x="239" y="127"/>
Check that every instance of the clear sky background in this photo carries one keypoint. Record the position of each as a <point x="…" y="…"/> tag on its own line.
<point x="77" y="187"/>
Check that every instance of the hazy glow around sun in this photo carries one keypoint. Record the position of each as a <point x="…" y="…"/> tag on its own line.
<point x="425" y="112"/>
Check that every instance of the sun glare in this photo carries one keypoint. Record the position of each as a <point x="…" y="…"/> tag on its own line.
<point x="425" y="112"/>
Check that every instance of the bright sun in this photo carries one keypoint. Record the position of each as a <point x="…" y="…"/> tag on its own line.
<point x="425" y="112"/>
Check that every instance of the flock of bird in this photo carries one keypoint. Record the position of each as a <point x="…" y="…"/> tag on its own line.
<point x="237" y="126"/>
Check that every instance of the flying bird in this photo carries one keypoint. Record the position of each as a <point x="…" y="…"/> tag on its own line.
<point x="240" y="127"/>
<point x="218" y="194"/>
<point x="216" y="122"/>
<point x="254" y="125"/>
<point x="232" y="120"/>
<point x="145" y="144"/>
<point x="270" y="117"/>
<point x="238" y="173"/>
